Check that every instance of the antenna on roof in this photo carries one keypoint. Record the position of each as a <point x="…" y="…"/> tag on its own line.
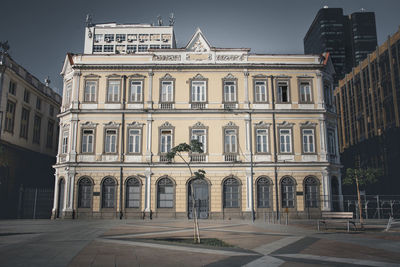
<point x="171" y="19"/>
<point x="363" y="9"/>
<point x="47" y="81"/>
<point x="159" y="20"/>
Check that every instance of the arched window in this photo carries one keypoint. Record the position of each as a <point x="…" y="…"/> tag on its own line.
<point x="231" y="193"/>
<point x="133" y="193"/>
<point x="165" y="193"/>
<point x="108" y="193"/>
<point x="311" y="192"/>
<point x="263" y="192"/>
<point x="288" y="192"/>
<point x="85" y="193"/>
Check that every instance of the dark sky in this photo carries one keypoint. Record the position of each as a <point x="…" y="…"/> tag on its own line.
<point x="41" y="32"/>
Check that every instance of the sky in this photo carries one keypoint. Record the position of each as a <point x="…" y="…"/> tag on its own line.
<point x="41" y="32"/>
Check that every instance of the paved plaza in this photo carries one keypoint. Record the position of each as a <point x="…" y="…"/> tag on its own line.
<point x="138" y="243"/>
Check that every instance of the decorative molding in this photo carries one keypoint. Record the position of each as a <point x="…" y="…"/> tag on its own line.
<point x="199" y="77"/>
<point x="114" y="76"/>
<point x="89" y="124"/>
<point x="135" y="124"/>
<point x="167" y="57"/>
<point x="166" y="125"/>
<point x="198" y="125"/>
<point x="198" y="46"/>
<point x="229" y="77"/>
<point x="112" y="124"/>
<point x="167" y="77"/>
<point x="230" y="57"/>
<point x="65" y="126"/>
<point x="308" y="124"/>
<point x="91" y="75"/>
<point x="231" y="124"/>
<point x="137" y="75"/>
<point x="285" y="124"/>
<point x="260" y="76"/>
<point x="262" y="124"/>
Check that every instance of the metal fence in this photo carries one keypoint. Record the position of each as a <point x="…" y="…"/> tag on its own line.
<point x="35" y="203"/>
<point x="373" y="206"/>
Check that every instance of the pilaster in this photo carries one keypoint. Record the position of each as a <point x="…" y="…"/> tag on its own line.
<point x="246" y="90"/>
<point x="147" y="204"/>
<point x="326" y="187"/>
<point x="320" y="91"/>
<point x="75" y="91"/>
<point x="149" y="102"/>
<point x="148" y="138"/>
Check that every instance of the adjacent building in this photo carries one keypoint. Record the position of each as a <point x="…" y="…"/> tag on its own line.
<point x="348" y="39"/>
<point x="367" y="101"/>
<point x="28" y="134"/>
<point x="267" y="124"/>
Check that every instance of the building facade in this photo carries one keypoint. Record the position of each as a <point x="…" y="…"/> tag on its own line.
<point x="28" y="134"/>
<point x="267" y="124"/>
<point x="348" y="39"/>
<point x="367" y="101"/>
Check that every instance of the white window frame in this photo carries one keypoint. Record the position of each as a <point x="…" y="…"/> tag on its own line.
<point x="110" y="141"/>
<point x="230" y="141"/>
<point x="134" y="140"/>
<point x="64" y="148"/>
<point x="135" y="91"/>
<point x="262" y="146"/>
<point x="202" y="138"/>
<point x="305" y="92"/>
<point x="87" y="140"/>
<point x="90" y="91"/>
<point x="166" y="140"/>
<point x="229" y="96"/>
<point x="68" y="95"/>
<point x="198" y="91"/>
<point x="167" y="91"/>
<point x="260" y="91"/>
<point x="286" y="145"/>
<point x="113" y="91"/>
<point x="280" y="85"/>
<point x="308" y="140"/>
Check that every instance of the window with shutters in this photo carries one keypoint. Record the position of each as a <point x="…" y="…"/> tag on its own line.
<point x="305" y="92"/>
<point x="311" y="192"/>
<point x="285" y="140"/>
<point x="308" y="141"/>
<point x="108" y="193"/>
<point x="110" y="141"/>
<point x="136" y="91"/>
<point x="134" y="141"/>
<point x="260" y="91"/>
<point x="263" y="192"/>
<point x="85" y="193"/>
<point x="231" y="191"/>
<point x="288" y="191"/>
<point x="87" y="141"/>
<point x="113" y="91"/>
<point x="133" y="187"/>
<point x="262" y="146"/>
<point x="165" y="193"/>
<point x="283" y="92"/>
<point x="90" y="91"/>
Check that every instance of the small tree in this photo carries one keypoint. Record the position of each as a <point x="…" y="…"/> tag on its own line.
<point x="361" y="177"/>
<point x="194" y="147"/>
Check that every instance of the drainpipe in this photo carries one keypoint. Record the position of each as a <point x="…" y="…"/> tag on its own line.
<point x="2" y="70"/>
<point x="251" y="170"/>
<point x="275" y="148"/>
<point x="122" y="158"/>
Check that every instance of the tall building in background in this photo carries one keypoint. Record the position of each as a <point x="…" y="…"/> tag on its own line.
<point x="368" y="101"/>
<point x="267" y="124"/>
<point x="348" y="39"/>
<point x="28" y="141"/>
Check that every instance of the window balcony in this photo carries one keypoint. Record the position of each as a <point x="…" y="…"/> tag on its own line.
<point x="164" y="158"/>
<point x="198" y="105"/>
<point x="230" y="105"/>
<point x="230" y="157"/>
<point x="166" y="106"/>
<point x="198" y="157"/>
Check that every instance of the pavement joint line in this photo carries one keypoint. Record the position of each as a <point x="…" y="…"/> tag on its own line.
<point x="147" y="234"/>
<point x="338" y="260"/>
<point x="178" y="248"/>
<point x="248" y="232"/>
<point x="278" y="244"/>
<point x="265" y="261"/>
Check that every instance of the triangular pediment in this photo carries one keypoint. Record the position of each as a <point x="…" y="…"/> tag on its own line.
<point x="198" y="43"/>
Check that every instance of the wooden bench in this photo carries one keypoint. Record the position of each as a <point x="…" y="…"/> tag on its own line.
<point x="392" y="222"/>
<point x="337" y="217"/>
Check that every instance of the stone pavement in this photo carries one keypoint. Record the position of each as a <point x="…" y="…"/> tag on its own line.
<point x="136" y="243"/>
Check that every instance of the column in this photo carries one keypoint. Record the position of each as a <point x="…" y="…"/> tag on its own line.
<point x="248" y="133"/>
<point x="147" y="204"/>
<point x="246" y="89"/>
<point x="69" y="196"/>
<point x="59" y="144"/>
<point x="326" y="189"/>
<point x="149" y="103"/>
<point x="320" y="90"/>
<point x="337" y="153"/>
<point x="72" y="137"/>
<point x="148" y="138"/>
<point x="75" y="89"/>
<point x="322" y="130"/>
<point x="339" y="178"/>
<point x="249" y="190"/>
<point x="55" y="200"/>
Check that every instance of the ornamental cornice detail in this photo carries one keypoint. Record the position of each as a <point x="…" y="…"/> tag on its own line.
<point x="198" y="77"/>
<point x="199" y="125"/>
<point x="229" y="77"/>
<point x="135" y="124"/>
<point x="167" y="76"/>
<point x="230" y="57"/>
<point x="112" y="124"/>
<point x="89" y="124"/>
<point x="260" y="76"/>
<point x="166" y="125"/>
<point x="137" y="75"/>
<point x="231" y="124"/>
<point x="308" y="124"/>
<point x="167" y="57"/>
<point x="285" y="124"/>
<point x="262" y="124"/>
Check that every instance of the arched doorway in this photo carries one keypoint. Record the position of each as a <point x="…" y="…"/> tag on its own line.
<point x="61" y="187"/>
<point x="201" y="198"/>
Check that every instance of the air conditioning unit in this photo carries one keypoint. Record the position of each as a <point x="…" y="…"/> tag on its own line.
<point x="119" y="40"/>
<point x="107" y="40"/>
<point x="130" y="40"/>
<point x="165" y="40"/>
<point x="141" y="40"/>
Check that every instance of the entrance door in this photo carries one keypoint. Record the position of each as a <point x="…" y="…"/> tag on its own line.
<point x="61" y="186"/>
<point x="200" y="188"/>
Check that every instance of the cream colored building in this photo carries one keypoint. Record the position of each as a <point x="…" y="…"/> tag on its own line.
<point x="121" y="113"/>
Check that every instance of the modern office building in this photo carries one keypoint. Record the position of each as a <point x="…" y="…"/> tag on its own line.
<point x="348" y="39"/>
<point x="28" y="134"/>
<point x="267" y="124"/>
<point x="367" y="101"/>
